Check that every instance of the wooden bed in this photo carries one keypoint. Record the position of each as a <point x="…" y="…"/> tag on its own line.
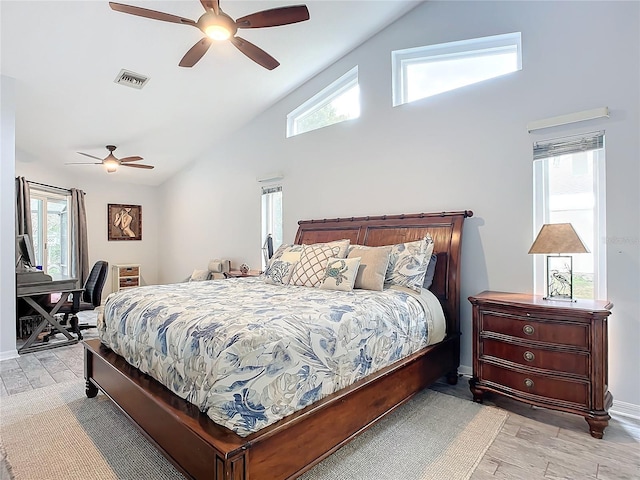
<point x="201" y="449"/>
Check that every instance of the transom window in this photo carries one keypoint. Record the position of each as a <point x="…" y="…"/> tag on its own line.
<point x="336" y="103"/>
<point x="426" y="71"/>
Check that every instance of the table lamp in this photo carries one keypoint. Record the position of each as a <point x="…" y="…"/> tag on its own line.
<point x="558" y="238"/>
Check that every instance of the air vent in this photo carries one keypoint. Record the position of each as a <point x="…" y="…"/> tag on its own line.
<point x="131" y="79"/>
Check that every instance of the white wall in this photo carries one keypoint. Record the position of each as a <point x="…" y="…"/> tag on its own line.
<point x="7" y="219"/>
<point x="467" y="149"/>
<point x="98" y="195"/>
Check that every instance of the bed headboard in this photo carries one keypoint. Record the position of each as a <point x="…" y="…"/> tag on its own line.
<point x="445" y="229"/>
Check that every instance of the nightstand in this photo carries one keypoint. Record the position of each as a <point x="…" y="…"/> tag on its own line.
<point x="552" y="354"/>
<point x="126" y="276"/>
<point x="239" y="274"/>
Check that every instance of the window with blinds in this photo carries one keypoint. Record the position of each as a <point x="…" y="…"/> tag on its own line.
<point x="569" y="187"/>
<point x="272" y="214"/>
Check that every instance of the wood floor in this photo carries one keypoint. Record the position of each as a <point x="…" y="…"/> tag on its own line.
<point x="534" y="443"/>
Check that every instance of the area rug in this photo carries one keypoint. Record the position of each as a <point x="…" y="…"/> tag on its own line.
<point x="57" y="433"/>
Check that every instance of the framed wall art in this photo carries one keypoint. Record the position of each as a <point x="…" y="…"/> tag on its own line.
<point x="124" y="222"/>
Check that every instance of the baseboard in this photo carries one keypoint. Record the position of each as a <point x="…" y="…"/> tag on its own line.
<point x="625" y="409"/>
<point x="9" y="354"/>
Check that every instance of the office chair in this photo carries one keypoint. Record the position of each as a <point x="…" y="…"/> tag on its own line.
<point x="90" y="299"/>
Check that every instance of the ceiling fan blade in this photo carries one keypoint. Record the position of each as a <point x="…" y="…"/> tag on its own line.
<point x="195" y="53"/>
<point x="274" y="17"/>
<point x="211" y="5"/>
<point x="153" y="14"/>
<point x="255" y="53"/>
<point x="90" y="156"/>
<point x="136" y="165"/>
<point x="83" y="163"/>
<point x="130" y="159"/>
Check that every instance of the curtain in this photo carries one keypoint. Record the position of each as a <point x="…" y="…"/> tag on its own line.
<point x="23" y="207"/>
<point x="23" y="210"/>
<point x="79" y="246"/>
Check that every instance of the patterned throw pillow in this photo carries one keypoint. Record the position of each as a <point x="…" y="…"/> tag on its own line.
<point x="284" y="248"/>
<point x="408" y="263"/>
<point x="340" y="274"/>
<point x="309" y="271"/>
<point x="373" y="266"/>
<point x="343" y="247"/>
<point x="279" y="273"/>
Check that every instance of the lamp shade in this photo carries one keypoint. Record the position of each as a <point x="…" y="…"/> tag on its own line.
<point x="558" y="238"/>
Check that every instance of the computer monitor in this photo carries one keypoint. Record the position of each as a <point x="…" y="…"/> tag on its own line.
<point x="26" y="255"/>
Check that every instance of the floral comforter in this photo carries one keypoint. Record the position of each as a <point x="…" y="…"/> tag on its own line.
<point x="248" y="353"/>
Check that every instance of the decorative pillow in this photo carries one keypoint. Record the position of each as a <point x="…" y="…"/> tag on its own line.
<point x="373" y="266"/>
<point x="408" y="263"/>
<point x="343" y="246"/>
<point x="282" y="249"/>
<point x="279" y="273"/>
<point x="288" y="252"/>
<point x="199" y="275"/>
<point x="219" y="266"/>
<point x="431" y="271"/>
<point x="291" y="257"/>
<point x="309" y="271"/>
<point x="340" y="274"/>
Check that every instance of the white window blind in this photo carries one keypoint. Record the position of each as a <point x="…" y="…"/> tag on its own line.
<point x="564" y="146"/>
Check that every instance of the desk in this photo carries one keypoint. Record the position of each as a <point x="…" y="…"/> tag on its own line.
<point x="27" y="291"/>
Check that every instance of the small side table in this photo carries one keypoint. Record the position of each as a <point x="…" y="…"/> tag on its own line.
<point x="239" y="274"/>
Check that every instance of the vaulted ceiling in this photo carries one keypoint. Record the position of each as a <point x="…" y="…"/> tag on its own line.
<point x="65" y="56"/>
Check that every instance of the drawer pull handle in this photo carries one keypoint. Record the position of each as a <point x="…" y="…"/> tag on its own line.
<point x="529" y="356"/>
<point x="528" y="382"/>
<point x="528" y="329"/>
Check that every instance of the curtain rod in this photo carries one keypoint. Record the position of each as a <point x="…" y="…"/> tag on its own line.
<point x="48" y="186"/>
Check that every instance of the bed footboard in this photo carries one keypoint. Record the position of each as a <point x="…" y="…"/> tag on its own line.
<point x="200" y="449"/>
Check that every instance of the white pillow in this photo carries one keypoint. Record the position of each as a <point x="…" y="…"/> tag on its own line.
<point x="199" y="275"/>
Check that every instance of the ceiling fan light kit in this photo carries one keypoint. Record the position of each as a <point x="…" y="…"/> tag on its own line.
<point x="219" y="26"/>
<point x="111" y="163"/>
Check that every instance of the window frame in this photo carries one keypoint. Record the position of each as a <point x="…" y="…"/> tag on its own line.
<point x="400" y="59"/>
<point x="267" y="216"/>
<point x="42" y="242"/>
<point x="541" y="213"/>
<point x="320" y="100"/>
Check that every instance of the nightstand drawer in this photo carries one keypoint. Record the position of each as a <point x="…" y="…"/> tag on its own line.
<point x="129" y="271"/>
<point x="126" y="282"/>
<point x="559" y="333"/>
<point x="569" y="362"/>
<point x="543" y="386"/>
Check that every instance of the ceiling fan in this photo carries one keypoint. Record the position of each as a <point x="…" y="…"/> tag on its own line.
<point x="111" y="163"/>
<point x="217" y="25"/>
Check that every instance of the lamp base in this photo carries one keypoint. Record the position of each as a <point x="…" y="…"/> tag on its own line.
<point x="560" y="278"/>
<point x="560" y="298"/>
